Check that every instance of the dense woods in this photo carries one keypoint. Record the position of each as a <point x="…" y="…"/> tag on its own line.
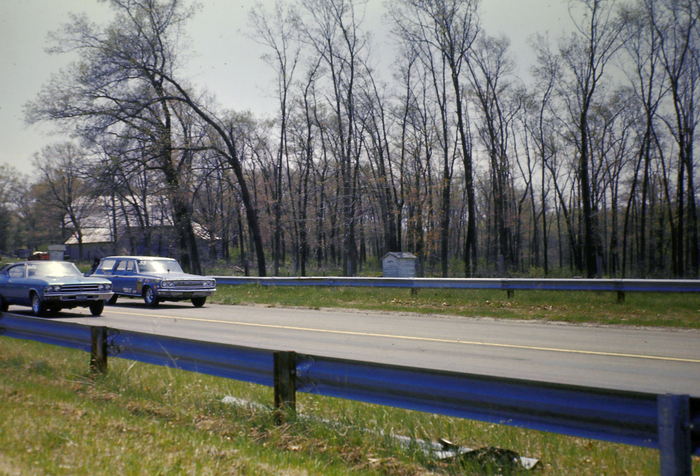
<point x="583" y="167"/>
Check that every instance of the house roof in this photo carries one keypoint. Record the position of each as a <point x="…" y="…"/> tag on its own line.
<point x="96" y="216"/>
<point x="91" y="236"/>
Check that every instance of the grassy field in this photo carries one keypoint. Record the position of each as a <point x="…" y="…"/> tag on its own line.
<point x="56" y="418"/>
<point x="638" y="309"/>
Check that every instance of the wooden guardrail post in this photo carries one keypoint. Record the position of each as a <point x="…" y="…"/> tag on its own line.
<point x="98" y="349"/>
<point x="285" y="384"/>
<point x="674" y="435"/>
<point x="620" y="297"/>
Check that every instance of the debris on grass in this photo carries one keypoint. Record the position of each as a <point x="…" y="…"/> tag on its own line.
<point x="442" y="449"/>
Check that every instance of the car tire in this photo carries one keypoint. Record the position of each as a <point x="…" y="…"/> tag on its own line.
<point x="4" y="305"/>
<point x="113" y="299"/>
<point x="150" y="297"/>
<point x="96" y="308"/>
<point x="54" y="309"/>
<point x="199" y="301"/>
<point x="38" y="307"/>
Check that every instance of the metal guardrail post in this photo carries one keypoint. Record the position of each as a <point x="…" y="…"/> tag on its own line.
<point x="285" y="383"/>
<point x="98" y="349"/>
<point x="620" y="297"/>
<point x="674" y="435"/>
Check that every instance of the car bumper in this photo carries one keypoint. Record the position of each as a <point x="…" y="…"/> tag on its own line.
<point x="77" y="298"/>
<point x="169" y="293"/>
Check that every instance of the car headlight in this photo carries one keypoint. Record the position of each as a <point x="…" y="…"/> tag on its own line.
<point x="52" y="289"/>
<point x="167" y="284"/>
<point x="211" y="283"/>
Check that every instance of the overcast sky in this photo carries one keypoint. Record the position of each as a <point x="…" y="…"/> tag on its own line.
<point x="223" y="58"/>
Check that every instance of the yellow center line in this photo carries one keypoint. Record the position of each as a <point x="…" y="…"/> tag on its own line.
<point x="414" y="338"/>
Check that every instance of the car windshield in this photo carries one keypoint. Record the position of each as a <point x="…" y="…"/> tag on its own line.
<point x="54" y="269"/>
<point x="159" y="266"/>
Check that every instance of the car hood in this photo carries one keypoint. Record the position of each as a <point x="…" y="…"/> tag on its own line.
<point x="176" y="276"/>
<point x="74" y="280"/>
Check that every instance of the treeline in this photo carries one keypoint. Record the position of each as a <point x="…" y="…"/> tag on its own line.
<point x="585" y="169"/>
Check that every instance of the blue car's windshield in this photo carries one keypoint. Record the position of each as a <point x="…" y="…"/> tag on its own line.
<point x="159" y="266"/>
<point x="54" y="269"/>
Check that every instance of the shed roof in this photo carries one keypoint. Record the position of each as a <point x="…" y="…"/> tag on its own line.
<point x="399" y="255"/>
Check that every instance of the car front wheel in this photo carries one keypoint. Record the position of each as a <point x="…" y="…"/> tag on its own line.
<point x="96" y="308"/>
<point x="150" y="297"/>
<point x="199" y="301"/>
<point x="38" y="307"/>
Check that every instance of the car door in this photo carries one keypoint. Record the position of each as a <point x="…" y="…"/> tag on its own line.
<point x="16" y="284"/>
<point x="118" y="278"/>
<point x="129" y="277"/>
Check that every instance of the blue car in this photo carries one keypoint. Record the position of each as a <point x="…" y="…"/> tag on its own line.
<point x="154" y="279"/>
<point x="49" y="286"/>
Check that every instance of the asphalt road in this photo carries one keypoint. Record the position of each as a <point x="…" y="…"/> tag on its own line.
<point x="641" y="359"/>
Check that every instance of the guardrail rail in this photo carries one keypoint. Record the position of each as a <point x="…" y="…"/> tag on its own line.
<point x="620" y="286"/>
<point x="669" y="423"/>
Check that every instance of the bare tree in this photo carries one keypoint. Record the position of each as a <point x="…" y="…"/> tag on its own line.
<point x="117" y="87"/>
<point x="546" y="72"/>
<point x="490" y="67"/>
<point x="447" y="28"/>
<point x="586" y="54"/>
<point x="646" y="77"/>
<point x="375" y="118"/>
<point x="277" y="31"/>
<point x="304" y="134"/>
<point x="13" y="189"/>
<point x="676" y="24"/>
<point x="62" y="170"/>
<point x="333" y="32"/>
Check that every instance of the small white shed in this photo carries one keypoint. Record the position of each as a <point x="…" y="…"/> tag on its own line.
<point x="399" y="265"/>
<point x="57" y="252"/>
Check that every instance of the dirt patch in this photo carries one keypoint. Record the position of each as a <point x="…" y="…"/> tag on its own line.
<point x="9" y="468"/>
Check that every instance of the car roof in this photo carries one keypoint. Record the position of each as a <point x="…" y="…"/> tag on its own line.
<point x="29" y="262"/>
<point x="138" y="257"/>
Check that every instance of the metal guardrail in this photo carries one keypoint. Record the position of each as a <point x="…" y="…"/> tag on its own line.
<point x="65" y="334"/>
<point x="505" y="284"/>
<point x="670" y="423"/>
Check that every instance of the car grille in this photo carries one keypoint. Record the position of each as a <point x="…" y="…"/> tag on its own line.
<point x="190" y="284"/>
<point x="79" y="288"/>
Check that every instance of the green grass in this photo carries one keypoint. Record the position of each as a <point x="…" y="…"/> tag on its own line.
<point x="56" y="418"/>
<point x="638" y="309"/>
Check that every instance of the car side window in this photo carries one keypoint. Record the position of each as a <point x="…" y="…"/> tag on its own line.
<point x="122" y="265"/>
<point x="106" y="266"/>
<point x="16" y="272"/>
<point x="130" y="266"/>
